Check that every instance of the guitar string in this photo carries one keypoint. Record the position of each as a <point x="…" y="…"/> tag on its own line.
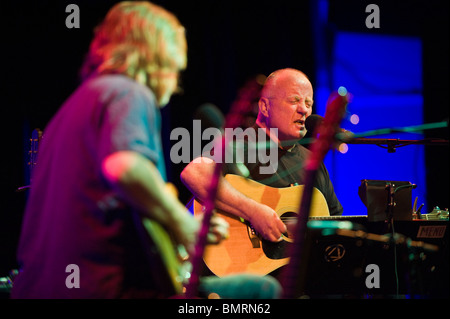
<point x="324" y="217"/>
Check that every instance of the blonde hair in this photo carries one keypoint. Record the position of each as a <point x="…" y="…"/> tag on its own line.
<point x="141" y="40"/>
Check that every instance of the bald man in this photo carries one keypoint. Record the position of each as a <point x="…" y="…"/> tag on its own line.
<point x="285" y="103"/>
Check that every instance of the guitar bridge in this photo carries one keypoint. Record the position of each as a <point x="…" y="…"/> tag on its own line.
<point x="254" y="239"/>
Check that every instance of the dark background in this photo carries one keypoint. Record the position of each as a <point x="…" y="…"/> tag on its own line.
<point x="229" y="42"/>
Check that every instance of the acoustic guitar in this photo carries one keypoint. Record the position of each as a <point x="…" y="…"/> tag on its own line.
<point x="245" y="250"/>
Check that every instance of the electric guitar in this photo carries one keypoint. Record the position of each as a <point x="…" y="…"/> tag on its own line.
<point x="294" y="275"/>
<point x="171" y="261"/>
<point x="245" y="250"/>
<point x="35" y="139"/>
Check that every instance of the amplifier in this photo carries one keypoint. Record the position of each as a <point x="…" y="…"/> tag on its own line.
<point x="411" y="261"/>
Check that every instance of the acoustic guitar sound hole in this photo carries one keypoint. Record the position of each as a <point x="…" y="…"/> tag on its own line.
<point x="290" y="220"/>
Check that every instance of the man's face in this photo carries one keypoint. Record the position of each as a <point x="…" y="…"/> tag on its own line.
<point x="289" y="105"/>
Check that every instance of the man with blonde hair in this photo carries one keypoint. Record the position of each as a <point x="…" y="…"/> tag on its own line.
<point x="101" y="170"/>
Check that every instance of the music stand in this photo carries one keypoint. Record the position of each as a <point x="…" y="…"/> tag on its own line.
<point x="386" y="200"/>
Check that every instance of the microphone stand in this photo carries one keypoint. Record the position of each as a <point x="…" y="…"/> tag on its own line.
<point x="393" y="143"/>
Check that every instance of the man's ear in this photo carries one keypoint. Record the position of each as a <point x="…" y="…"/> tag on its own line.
<point x="264" y="106"/>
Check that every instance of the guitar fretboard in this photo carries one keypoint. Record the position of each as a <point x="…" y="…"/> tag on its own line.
<point x="355" y="218"/>
<point x="338" y="217"/>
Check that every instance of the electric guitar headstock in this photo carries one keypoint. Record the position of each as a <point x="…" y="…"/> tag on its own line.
<point x="326" y="132"/>
<point x="35" y="139"/>
<point x="294" y="274"/>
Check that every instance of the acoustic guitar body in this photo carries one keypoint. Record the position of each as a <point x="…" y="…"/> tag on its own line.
<point x="244" y="250"/>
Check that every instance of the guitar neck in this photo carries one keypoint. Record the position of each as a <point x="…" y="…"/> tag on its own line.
<point x="338" y="217"/>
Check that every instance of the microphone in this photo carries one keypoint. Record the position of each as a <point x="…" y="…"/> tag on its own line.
<point x="314" y="121"/>
<point x="210" y="115"/>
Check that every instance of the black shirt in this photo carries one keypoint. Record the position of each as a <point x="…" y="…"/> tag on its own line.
<point x="288" y="169"/>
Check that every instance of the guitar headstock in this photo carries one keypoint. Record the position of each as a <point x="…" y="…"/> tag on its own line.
<point x="294" y="275"/>
<point x="326" y="132"/>
<point x="35" y="139"/>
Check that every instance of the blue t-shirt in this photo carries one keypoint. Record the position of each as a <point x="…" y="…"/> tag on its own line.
<point x="73" y="216"/>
